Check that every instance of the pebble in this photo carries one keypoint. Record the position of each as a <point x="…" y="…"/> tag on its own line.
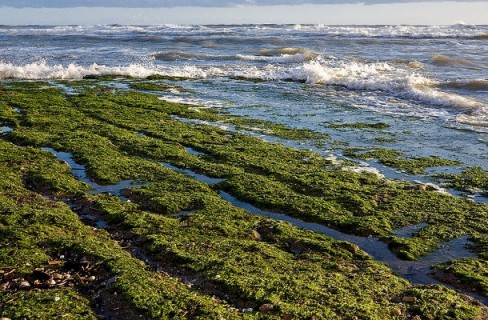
<point x="396" y="312"/>
<point x="409" y="299"/>
<point x="91" y="278"/>
<point x="255" y="235"/>
<point x="56" y="299"/>
<point x="58" y="276"/>
<point x="266" y="307"/>
<point x="5" y="318"/>
<point x="51" y="282"/>
<point x="24" y="285"/>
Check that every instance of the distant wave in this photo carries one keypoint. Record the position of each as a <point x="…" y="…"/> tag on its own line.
<point x="477" y="84"/>
<point x="284" y="55"/>
<point x="443" y="60"/>
<point x="400" y="31"/>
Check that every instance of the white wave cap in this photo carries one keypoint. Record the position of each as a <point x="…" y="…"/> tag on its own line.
<point x="41" y="70"/>
<point x="376" y="76"/>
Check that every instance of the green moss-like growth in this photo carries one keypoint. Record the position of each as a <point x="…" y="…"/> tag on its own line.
<point x="156" y="86"/>
<point x="235" y="260"/>
<point x="471" y="273"/>
<point x="436" y="302"/>
<point x="396" y="159"/>
<point x="45" y="304"/>
<point x="473" y="179"/>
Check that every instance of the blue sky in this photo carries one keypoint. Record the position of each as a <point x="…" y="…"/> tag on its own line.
<point x="15" y="12"/>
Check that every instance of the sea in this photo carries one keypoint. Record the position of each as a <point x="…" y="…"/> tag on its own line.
<point x="429" y="84"/>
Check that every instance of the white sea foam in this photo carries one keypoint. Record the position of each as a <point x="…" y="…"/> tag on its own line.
<point x="201" y="103"/>
<point x="364" y="170"/>
<point x="42" y="70"/>
<point x="447" y="31"/>
<point x="384" y="77"/>
<point x="354" y="75"/>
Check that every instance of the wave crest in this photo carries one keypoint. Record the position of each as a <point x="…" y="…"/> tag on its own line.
<point x="443" y="60"/>
<point x="353" y="75"/>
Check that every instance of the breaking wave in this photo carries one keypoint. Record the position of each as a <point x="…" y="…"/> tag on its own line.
<point x="353" y="75"/>
<point x="42" y="70"/>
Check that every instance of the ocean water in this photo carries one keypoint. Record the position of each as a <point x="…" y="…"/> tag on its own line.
<point x="429" y="83"/>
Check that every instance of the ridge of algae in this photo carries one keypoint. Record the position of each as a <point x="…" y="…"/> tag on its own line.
<point x="304" y="275"/>
<point x="396" y="159"/>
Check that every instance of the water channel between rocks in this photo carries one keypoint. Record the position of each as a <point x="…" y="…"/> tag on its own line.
<point x="417" y="272"/>
<point x="6" y="130"/>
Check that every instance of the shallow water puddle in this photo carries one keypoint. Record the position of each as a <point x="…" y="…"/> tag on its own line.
<point x="194" y="152"/>
<point x="79" y="171"/>
<point x="199" y="177"/>
<point x="408" y="231"/>
<point x="6" y="130"/>
<point x="66" y="89"/>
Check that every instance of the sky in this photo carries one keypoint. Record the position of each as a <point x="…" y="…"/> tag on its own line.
<point x="51" y="12"/>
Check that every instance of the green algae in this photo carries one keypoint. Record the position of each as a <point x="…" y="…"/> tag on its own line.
<point x="471" y="273"/>
<point x="45" y="305"/>
<point x="36" y="230"/>
<point x="473" y="179"/>
<point x="396" y="159"/>
<point x="156" y="86"/>
<point x="249" y="260"/>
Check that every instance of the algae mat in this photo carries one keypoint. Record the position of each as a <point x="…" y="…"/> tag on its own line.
<point x="170" y="247"/>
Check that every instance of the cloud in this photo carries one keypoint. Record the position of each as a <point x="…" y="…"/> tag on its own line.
<point x="184" y="3"/>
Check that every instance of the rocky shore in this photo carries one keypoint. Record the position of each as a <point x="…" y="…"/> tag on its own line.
<point x="112" y="206"/>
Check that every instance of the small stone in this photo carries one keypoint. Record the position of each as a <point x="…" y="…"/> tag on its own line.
<point x="91" y="278"/>
<point x="56" y="299"/>
<point x="218" y="276"/>
<point x="409" y="299"/>
<point x="266" y="307"/>
<point x="58" y="276"/>
<point x="37" y="282"/>
<point x="4" y="318"/>
<point x="24" y="285"/>
<point x="78" y="279"/>
<point x="396" y="312"/>
<point x="51" y="282"/>
<point x="255" y="235"/>
<point x="417" y="317"/>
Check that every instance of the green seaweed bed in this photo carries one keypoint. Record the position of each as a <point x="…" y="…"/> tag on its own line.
<point x="217" y="261"/>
